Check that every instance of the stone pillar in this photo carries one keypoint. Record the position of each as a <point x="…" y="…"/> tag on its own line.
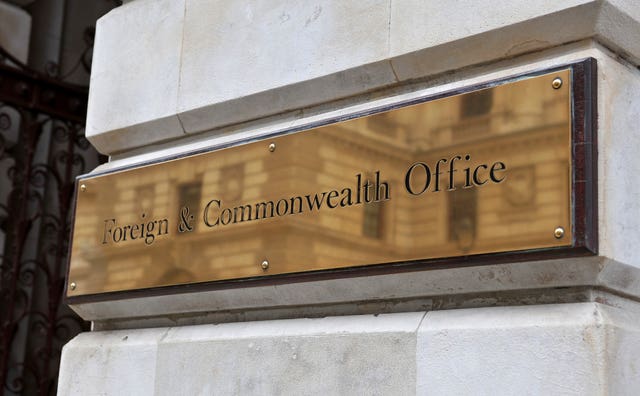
<point x="15" y="30"/>
<point x="170" y="76"/>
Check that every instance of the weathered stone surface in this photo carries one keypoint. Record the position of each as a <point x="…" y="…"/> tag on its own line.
<point x="214" y="64"/>
<point x="619" y="163"/>
<point x="135" y="75"/>
<point x="110" y="363"/>
<point x="335" y="355"/>
<point x="245" y="60"/>
<point x="573" y="349"/>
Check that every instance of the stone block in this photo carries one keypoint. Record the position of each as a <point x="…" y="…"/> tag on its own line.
<point x="110" y="363"/>
<point x="569" y="349"/>
<point x="572" y="349"/>
<point x="428" y="39"/>
<point x="618" y="161"/>
<point x="335" y="355"/>
<point x="135" y="75"/>
<point x="242" y="61"/>
<point x="206" y="66"/>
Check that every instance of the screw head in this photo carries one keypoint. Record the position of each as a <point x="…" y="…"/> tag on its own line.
<point x="265" y="265"/>
<point x="73" y="285"/>
<point x="556" y="83"/>
<point x="83" y="187"/>
<point x="558" y="232"/>
<point x="272" y="147"/>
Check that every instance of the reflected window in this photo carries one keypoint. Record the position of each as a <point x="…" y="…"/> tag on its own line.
<point x="384" y="124"/>
<point x="463" y="205"/>
<point x="190" y="195"/>
<point x="144" y="200"/>
<point x="520" y="192"/>
<point x="373" y="217"/>
<point x="372" y="220"/>
<point x="232" y="182"/>
<point x="476" y="104"/>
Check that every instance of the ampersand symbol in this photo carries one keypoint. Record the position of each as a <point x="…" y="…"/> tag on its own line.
<point x="185" y="220"/>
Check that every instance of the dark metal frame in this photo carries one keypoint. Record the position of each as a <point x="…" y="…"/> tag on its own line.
<point x="583" y="189"/>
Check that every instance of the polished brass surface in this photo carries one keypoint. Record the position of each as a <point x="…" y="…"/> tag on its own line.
<point x="559" y="232"/>
<point x="481" y="172"/>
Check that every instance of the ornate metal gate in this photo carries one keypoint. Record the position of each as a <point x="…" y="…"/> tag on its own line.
<point x="42" y="150"/>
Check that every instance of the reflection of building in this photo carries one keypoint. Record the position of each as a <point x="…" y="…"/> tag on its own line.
<point x="488" y="126"/>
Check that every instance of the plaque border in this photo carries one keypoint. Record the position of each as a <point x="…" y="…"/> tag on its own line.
<point x="584" y="194"/>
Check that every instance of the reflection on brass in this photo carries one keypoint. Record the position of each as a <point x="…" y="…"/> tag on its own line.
<point x="482" y="172"/>
<point x="559" y="232"/>
<point x="83" y="187"/>
<point x="73" y="285"/>
<point x="557" y="83"/>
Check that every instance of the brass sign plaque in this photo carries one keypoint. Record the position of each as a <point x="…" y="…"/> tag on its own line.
<point x="481" y="172"/>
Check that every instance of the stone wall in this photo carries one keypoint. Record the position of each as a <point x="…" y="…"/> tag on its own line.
<point x="174" y="76"/>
